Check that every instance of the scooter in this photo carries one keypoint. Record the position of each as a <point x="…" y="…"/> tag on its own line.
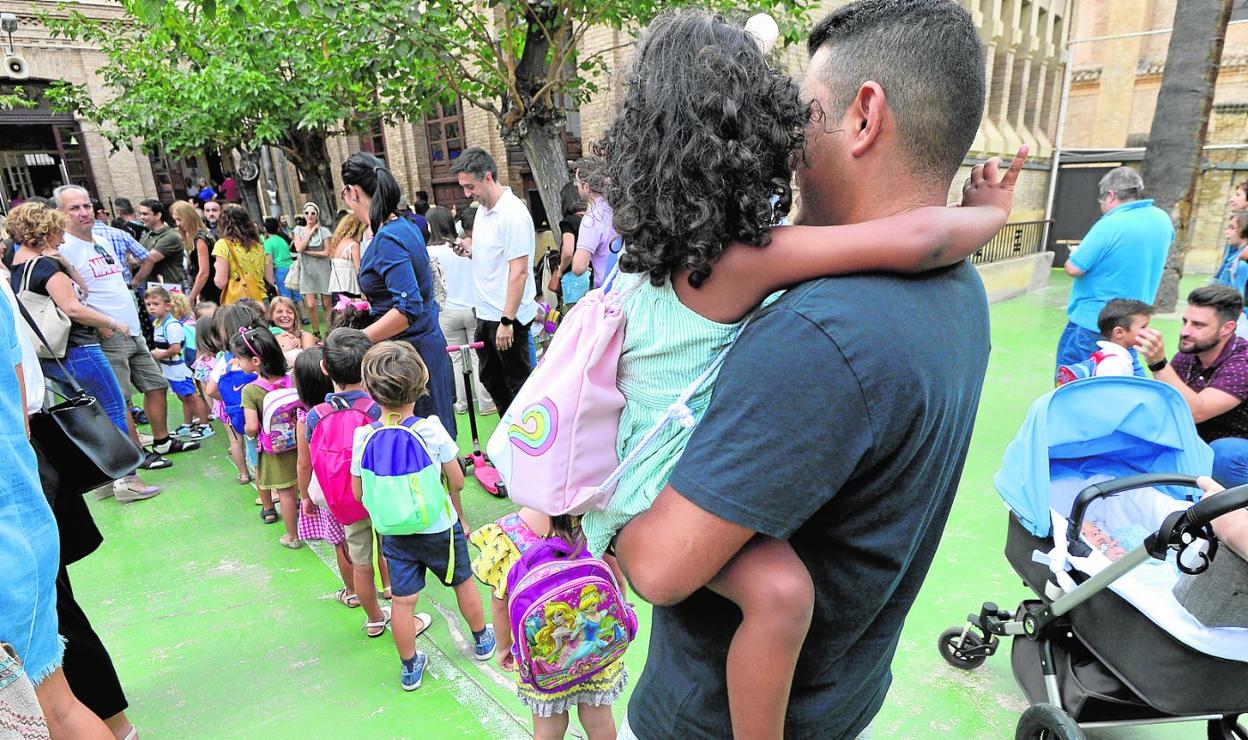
<point x="482" y="468"/>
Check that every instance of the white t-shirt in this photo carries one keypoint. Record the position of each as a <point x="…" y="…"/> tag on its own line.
<point x="1116" y="362"/>
<point x="441" y="448"/>
<point x="460" y="288"/>
<point x="32" y="373"/>
<point x="108" y="292"/>
<point x="168" y="333"/>
<point x="499" y="235"/>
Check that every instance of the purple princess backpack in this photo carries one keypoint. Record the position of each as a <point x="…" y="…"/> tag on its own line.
<point x="569" y="619"/>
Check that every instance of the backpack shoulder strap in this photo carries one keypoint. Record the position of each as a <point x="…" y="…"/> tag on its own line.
<point x="363" y="405"/>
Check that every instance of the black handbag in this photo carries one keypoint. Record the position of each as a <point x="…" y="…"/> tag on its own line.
<point x="78" y="446"/>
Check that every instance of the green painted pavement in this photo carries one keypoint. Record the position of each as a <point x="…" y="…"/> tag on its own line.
<point x="217" y="631"/>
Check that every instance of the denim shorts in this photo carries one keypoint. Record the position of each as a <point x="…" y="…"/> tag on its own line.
<point x="279" y="277"/>
<point x="408" y="555"/>
<point x="90" y="368"/>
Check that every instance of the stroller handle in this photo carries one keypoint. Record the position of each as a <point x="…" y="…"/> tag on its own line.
<point x="1114" y="487"/>
<point x="1212" y="507"/>
<point x="452" y="349"/>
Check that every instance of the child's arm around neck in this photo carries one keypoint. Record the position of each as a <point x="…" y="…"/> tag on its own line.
<point x="914" y="241"/>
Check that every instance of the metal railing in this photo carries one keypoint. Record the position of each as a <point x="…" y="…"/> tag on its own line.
<point x="1014" y="240"/>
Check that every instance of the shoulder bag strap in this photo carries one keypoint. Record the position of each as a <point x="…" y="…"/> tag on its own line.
<point x="30" y="267"/>
<point x="73" y="382"/>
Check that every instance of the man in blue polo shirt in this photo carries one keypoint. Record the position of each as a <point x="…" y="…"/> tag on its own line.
<point x="1122" y="256"/>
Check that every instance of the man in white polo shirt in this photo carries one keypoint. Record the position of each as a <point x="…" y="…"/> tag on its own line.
<point x="127" y="352"/>
<point x="502" y="263"/>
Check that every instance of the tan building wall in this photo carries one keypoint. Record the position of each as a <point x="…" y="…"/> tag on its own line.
<point x="1114" y="94"/>
<point x="126" y="172"/>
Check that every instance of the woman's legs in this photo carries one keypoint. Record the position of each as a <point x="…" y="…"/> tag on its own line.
<point x="314" y="315"/>
<point x="67" y="717"/>
<point x="87" y="666"/>
<point x="453" y="329"/>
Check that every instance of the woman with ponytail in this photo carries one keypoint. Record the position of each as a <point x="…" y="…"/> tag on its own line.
<point x="396" y="279"/>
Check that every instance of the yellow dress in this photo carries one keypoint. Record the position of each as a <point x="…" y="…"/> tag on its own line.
<point x="501" y="544"/>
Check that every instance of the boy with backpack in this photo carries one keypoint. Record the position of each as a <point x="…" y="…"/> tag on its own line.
<point x="396" y="472"/>
<point x="331" y="433"/>
<point x="1120" y="323"/>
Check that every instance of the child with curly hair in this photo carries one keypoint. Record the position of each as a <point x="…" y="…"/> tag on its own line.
<point x="703" y="141"/>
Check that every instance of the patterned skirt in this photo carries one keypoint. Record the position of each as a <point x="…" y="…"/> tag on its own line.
<point x="321" y="526"/>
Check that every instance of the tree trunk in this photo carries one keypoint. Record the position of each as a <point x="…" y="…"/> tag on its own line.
<point x="1172" y="160"/>
<point x="548" y="158"/>
<point x="248" y="188"/>
<point x="308" y="152"/>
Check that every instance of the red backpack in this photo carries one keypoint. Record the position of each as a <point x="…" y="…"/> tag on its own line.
<point x="330" y="449"/>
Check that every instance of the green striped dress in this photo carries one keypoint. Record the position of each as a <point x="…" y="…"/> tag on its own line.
<point x="666" y="347"/>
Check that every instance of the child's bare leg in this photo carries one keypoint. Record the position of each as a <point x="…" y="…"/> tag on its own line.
<point x="598" y="722"/>
<point x="290" y="512"/>
<point x="366" y="590"/>
<point x="237" y="456"/>
<point x="344" y="567"/>
<point x="383" y="568"/>
<point x="470" y="605"/>
<point x="502" y="633"/>
<point x="550" y="728"/>
<point x="403" y="625"/>
<point x="267" y="498"/>
<point x="776" y="596"/>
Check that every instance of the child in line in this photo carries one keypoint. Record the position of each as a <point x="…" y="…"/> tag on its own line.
<point x="168" y="339"/>
<point x="284" y="323"/>
<point x="316" y="523"/>
<point x="341" y="361"/>
<point x="215" y="344"/>
<point x="501" y="543"/>
<point x="180" y="309"/>
<point x="688" y="288"/>
<point x="395" y="377"/>
<point x="256" y="351"/>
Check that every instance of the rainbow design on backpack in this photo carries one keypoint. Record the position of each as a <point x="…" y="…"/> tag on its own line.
<point x="539" y="423"/>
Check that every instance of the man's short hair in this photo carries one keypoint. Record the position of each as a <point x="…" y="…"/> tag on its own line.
<point x="927" y="56"/>
<point x="154" y="206"/>
<point x="1119" y="313"/>
<point x="1123" y="182"/>
<point x="57" y="193"/>
<point x="123" y="206"/>
<point x="1223" y="299"/>
<point x="476" y="162"/>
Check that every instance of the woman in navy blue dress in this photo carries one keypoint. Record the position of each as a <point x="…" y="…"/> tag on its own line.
<point x="396" y="279"/>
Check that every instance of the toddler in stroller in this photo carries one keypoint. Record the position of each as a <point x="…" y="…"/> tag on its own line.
<point x="1107" y="643"/>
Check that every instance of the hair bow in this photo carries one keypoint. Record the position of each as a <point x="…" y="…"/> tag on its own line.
<point x="344" y="303"/>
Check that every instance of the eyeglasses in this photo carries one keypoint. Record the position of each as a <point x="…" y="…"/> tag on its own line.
<point x="107" y="257"/>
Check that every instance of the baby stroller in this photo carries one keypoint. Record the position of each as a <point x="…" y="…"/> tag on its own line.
<point x="1106" y="643"/>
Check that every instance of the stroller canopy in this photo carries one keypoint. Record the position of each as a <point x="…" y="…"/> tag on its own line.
<point x="1114" y="426"/>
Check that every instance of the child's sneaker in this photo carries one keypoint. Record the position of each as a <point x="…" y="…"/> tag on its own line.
<point x="484" y="647"/>
<point x="184" y="430"/>
<point x="202" y="431"/>
<point x="411" y="676"/>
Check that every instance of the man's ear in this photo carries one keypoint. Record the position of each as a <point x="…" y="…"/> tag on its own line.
<point x="866" y="117"/>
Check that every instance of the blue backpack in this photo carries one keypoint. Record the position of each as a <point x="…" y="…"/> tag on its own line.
<point x="231" y="386"/>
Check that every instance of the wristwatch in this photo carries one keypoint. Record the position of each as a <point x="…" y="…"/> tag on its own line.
<point x="507" y="321"/>
<point x="1158" y="365"/>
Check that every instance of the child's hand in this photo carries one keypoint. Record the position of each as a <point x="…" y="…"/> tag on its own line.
<point x="984" y="190"/>
<point x="309" y="508"/>
<point x="507" y="661"/>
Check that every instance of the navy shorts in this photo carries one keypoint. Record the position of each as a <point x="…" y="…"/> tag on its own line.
<point x="182" y="388"/>
<point x="409" y="555"/>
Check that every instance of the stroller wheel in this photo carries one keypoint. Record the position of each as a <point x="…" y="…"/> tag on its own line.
<point x="967" y="653"/>
<point x="1227" y="728"/>
<point x="1047" y="722"/>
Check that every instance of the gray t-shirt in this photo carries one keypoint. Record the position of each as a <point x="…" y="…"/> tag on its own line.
<point x="839" y="422"/>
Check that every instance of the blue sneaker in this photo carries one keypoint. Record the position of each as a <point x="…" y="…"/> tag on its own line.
<point x="411" y="677"/>
<point x="484" y="647"/>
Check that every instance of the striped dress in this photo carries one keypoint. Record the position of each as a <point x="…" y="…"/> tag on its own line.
<point x="666" y="347"/>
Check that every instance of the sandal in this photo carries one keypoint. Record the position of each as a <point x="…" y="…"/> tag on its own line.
<point x="293" y="543"/>
<point x="351" y="601"/>
<point x="425" y="620"/>
<point x="268" y="516"/>
<point x="379" y="626"/>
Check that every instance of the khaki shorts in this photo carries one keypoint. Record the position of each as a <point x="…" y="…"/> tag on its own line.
<point x="133" y="364"/>
<point x="360" y="541"/>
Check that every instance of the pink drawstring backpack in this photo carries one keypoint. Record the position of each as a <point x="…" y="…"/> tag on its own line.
<point x="555" y="447"/>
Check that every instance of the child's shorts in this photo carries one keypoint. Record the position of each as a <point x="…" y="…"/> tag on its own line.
<point x="410" y="554"/>
<point x="182" y="388"/>
<point x="359" y="537"/>
<point x="251" y="452"/>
